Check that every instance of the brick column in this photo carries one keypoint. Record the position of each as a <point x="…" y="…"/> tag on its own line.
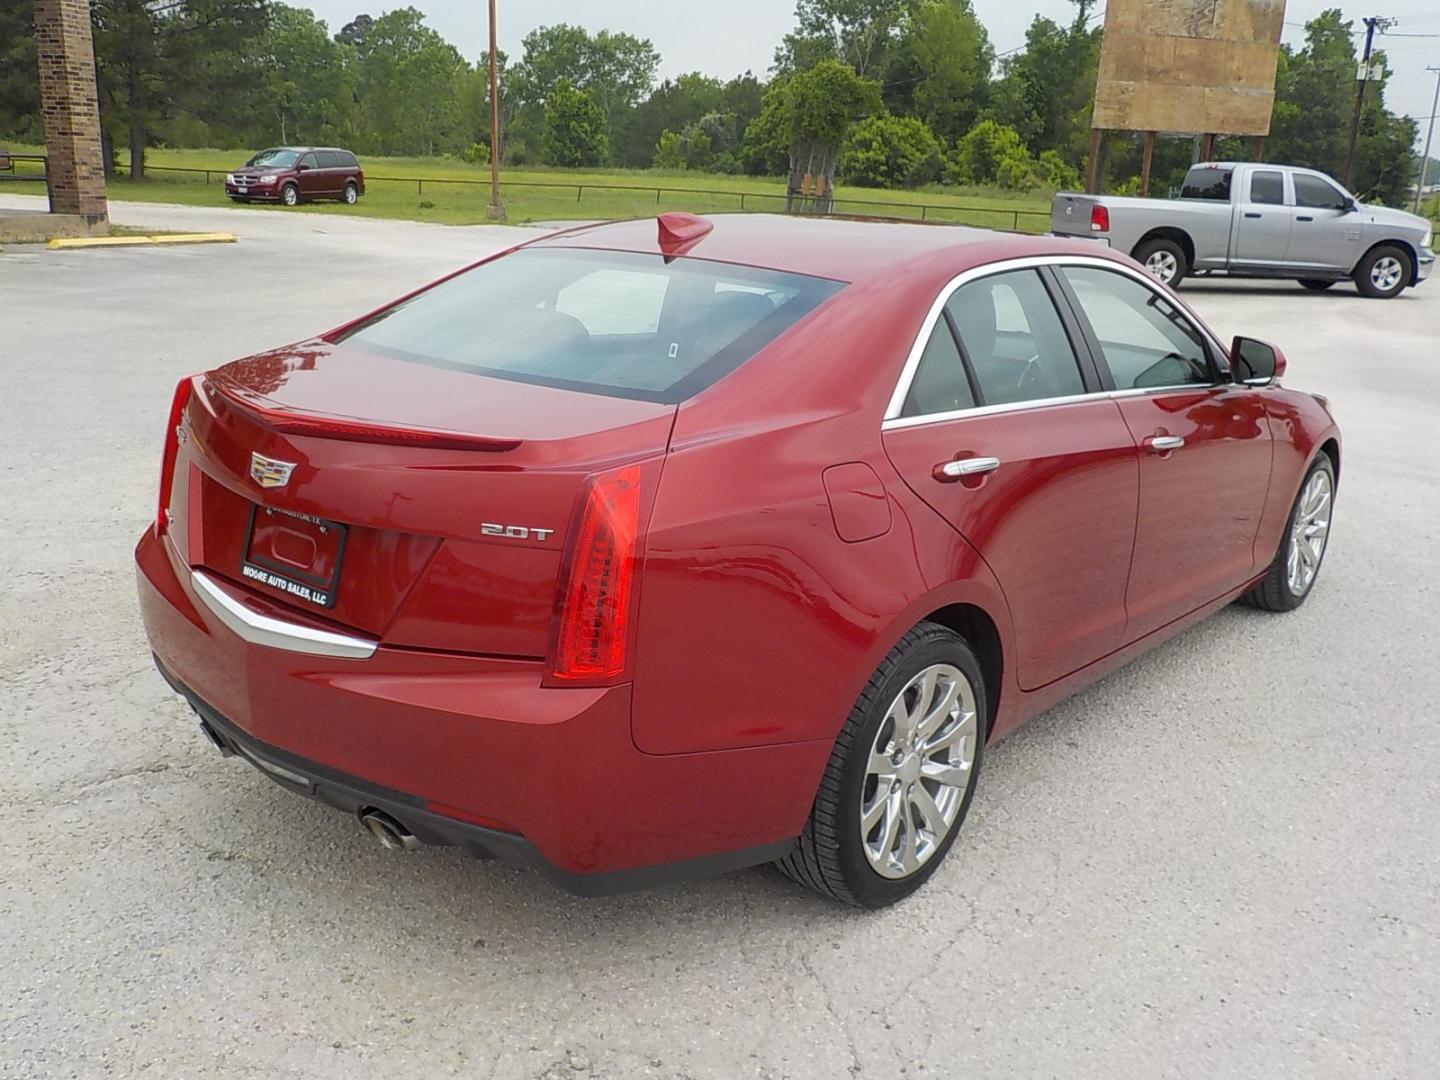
<point x="72" y="115"/>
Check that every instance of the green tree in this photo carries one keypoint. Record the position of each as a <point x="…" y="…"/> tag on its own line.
<point x="306" y="85"/>
<point x="157" y="57"/>
<point x="669" y="151"/>
<point x="940" y="68"/>
<point x="1315" y="91"/>
<point x="409" y="86"/>
<point x="615" y="70"/>
<point x="1047" y="90"/>
<point x="19" y="88"/>
<point x="891" y="151"/>
<point x="765" y="149"/>
<point x="574" y="128"/>
<point x="856" y="32"/>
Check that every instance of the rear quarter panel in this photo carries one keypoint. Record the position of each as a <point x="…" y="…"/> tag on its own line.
<point x="758" y="623"/>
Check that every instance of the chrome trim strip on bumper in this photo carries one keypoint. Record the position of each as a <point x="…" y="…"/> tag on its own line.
<point x="275" y="633"/>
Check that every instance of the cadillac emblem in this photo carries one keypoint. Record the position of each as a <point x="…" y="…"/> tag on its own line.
<point x="269" y="473"/>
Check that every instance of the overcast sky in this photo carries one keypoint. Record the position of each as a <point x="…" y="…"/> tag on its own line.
<point x="725" y="37"/>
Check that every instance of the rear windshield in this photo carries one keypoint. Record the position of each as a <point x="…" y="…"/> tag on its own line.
<point x="614" y="323"/>
<point x="1207" y="183"/>
<point x="280" y="159"/>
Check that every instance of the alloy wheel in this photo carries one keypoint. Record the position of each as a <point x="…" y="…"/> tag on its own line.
<point x="1386" y="273"/>
<point x="918" y="772"/>
<point x="1309" y="533"/>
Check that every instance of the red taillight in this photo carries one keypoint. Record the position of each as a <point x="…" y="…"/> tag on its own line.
<point x="183" y="391"/>
<point x="595" y="611"/>
<point x="1099" y="219"/>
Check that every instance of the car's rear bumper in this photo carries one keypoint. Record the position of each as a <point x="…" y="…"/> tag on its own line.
<point x="444" y="742"/>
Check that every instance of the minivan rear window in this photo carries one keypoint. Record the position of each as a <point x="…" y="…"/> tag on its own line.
<point x="616" y="323"/>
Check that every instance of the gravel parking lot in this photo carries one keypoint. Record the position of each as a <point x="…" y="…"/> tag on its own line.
<point x="1222" y="862"/>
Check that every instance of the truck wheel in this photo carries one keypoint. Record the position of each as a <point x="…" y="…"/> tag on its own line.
<point x="1165" y="260"/>
<point x="1383" y="273"/>
<point x="1316" y="284"/>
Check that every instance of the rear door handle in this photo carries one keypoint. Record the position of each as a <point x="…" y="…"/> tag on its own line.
<point x="1304" y="217"/>
<point x="974" y="466"/>
<point x="1163" y="444"/>
<point x="1249" y="213"/>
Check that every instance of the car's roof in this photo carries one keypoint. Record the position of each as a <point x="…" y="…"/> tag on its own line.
<point x="838" y="248"/>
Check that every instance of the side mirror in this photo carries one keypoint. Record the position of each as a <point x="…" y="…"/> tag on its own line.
<point x="1350" y="205"/>
<point x="1255" y="363"/>
<point x="301" y="167"/>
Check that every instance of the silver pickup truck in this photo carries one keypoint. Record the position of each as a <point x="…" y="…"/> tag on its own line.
<point x="1253" y="220"/>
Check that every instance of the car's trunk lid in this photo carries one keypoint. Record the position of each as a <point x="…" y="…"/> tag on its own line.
<point x="423" y="506"/>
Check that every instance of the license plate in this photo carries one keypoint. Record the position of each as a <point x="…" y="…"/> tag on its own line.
<point x="296" y="554"/>
<point x="243" y="190"/>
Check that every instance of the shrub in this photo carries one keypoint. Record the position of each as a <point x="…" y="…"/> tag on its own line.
<point x="981" y="151"/>
<point x="669" y="153"/>
<point x="476" y="154"/>
<point x="891" y="151"/>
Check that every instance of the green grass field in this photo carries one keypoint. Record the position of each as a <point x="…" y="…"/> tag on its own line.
<point x="453" y="193"/>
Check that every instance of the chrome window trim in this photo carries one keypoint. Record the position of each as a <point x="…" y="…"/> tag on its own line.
<point x="274" y="633"/>
<point x="893" y="417"/>
<point x="902" y="422"/>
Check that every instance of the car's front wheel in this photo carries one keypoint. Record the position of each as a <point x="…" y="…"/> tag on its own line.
<point x="290" y="195"/>
<point x="901" y="775"/>
<point x="1307" y="533"/>
<point x="1383" y="273"/>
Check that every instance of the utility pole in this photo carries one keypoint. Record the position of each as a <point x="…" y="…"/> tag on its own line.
<point x="495" y="211"/>
<point x="1372" y="24"/>
<point x="1429" y="134"/>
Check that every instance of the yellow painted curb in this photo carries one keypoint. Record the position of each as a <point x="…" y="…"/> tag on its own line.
<point x="135" y="241"/>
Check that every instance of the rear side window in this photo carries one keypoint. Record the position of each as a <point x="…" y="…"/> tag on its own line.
<point x="328" y="159"/>
<point x="1146" y="341"/>
<point x="1267" y="188"/>
<point x="615" y="323"/>
<point x="347" y="160"/>
<point x="1213" y="184"/>
<point x="940" y="384"/>
<point x="1317" y="194"/>
<point x="1014" y="340"/>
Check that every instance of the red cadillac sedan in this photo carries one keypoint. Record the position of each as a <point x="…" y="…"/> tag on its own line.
<point x="652" y="550"/>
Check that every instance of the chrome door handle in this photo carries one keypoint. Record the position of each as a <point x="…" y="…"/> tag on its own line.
<point x="1163" y="444"/>
<point x="974" y="466"/>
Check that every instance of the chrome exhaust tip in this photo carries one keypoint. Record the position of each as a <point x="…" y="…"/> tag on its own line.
<point x="388" y="831"/>
<point x="213" y="738"/>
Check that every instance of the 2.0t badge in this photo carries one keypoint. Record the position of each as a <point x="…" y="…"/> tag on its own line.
<point x="268" y="472"/>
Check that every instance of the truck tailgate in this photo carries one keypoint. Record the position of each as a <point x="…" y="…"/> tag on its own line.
<point x="1070" y="214"/>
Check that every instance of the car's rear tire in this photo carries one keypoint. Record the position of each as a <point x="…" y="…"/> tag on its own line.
<point x="1292" y="575"/>
<point x="1383" y="273"/>
<point x="901" y="776"/>
<point x="1317" y="284"/>
<point x="351" y="195"/>
<point x="290" y="195"/>
<point x="1165" y="260"/>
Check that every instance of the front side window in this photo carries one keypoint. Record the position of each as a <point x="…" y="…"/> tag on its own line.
<point x="273" y="159"/>
<point x="1317" y="194"/>
<point x="1013" y="339"/>
<point x="1207" y="183"/>
<point x="1267" y="188"/>
<point x="615" y="323"/>
<point x="308" y="161"/>
<point x="1146" y="341"/>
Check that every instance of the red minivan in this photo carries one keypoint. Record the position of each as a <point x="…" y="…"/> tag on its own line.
<point x="290" y="174"/>
<point x="657" y="549"/>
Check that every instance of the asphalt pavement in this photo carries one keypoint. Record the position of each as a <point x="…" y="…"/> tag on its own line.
<point x="1221" y="862"/>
